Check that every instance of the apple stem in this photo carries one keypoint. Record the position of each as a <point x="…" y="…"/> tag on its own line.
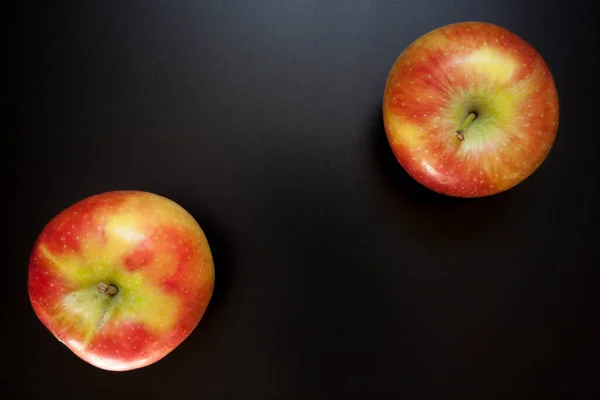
<point x="460" y="133"/>
<point x="108" y="289"/>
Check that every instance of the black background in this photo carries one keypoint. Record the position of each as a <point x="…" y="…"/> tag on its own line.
<point x="337" y="275"/>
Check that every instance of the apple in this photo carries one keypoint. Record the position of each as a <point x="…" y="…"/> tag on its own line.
<point x="121" y="278"/>
<point x="470" y="109"/>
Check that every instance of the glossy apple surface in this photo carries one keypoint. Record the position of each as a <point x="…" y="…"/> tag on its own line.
<point x="470" y="109"/>
<point x="121" y="278"/>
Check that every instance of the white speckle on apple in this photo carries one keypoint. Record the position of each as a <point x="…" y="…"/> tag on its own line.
<point x="424" y="115"/>
<point x="542" y="116"/>
<point x="403" y="104"/>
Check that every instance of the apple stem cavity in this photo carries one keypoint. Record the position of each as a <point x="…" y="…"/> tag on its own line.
<point x="110" y="290"/>
<point x="460" y="133"/>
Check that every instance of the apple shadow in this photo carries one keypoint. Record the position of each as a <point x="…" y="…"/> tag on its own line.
<point x="430" y="214"/>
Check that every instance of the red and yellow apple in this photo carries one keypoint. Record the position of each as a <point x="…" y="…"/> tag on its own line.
<point x="121" y="278"/>
<point x="470" y="109"/>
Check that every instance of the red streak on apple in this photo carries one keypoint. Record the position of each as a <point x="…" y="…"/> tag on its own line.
<point x="140" y="257"/>
<point x="464" y="69"/>
<point x="145" y="246"/>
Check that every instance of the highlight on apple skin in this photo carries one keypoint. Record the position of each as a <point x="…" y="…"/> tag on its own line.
<point x="121" y="278"/>
<point x="470" y="109"/>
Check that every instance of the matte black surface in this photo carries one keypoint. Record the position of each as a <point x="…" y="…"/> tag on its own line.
<point x="337" y="275"/>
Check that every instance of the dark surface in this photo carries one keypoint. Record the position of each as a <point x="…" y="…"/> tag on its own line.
<point x="337" y="275"/>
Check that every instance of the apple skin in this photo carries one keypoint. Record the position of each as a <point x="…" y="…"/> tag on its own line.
<point x="150" y="249"/>
<point x="452" y="71"/>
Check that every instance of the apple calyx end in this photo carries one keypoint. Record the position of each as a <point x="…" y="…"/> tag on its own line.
<point x="110" y="290"/>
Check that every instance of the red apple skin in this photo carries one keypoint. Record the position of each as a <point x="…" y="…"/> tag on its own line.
<point x="470" y="67"/>
<point x="151" y="249"/>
